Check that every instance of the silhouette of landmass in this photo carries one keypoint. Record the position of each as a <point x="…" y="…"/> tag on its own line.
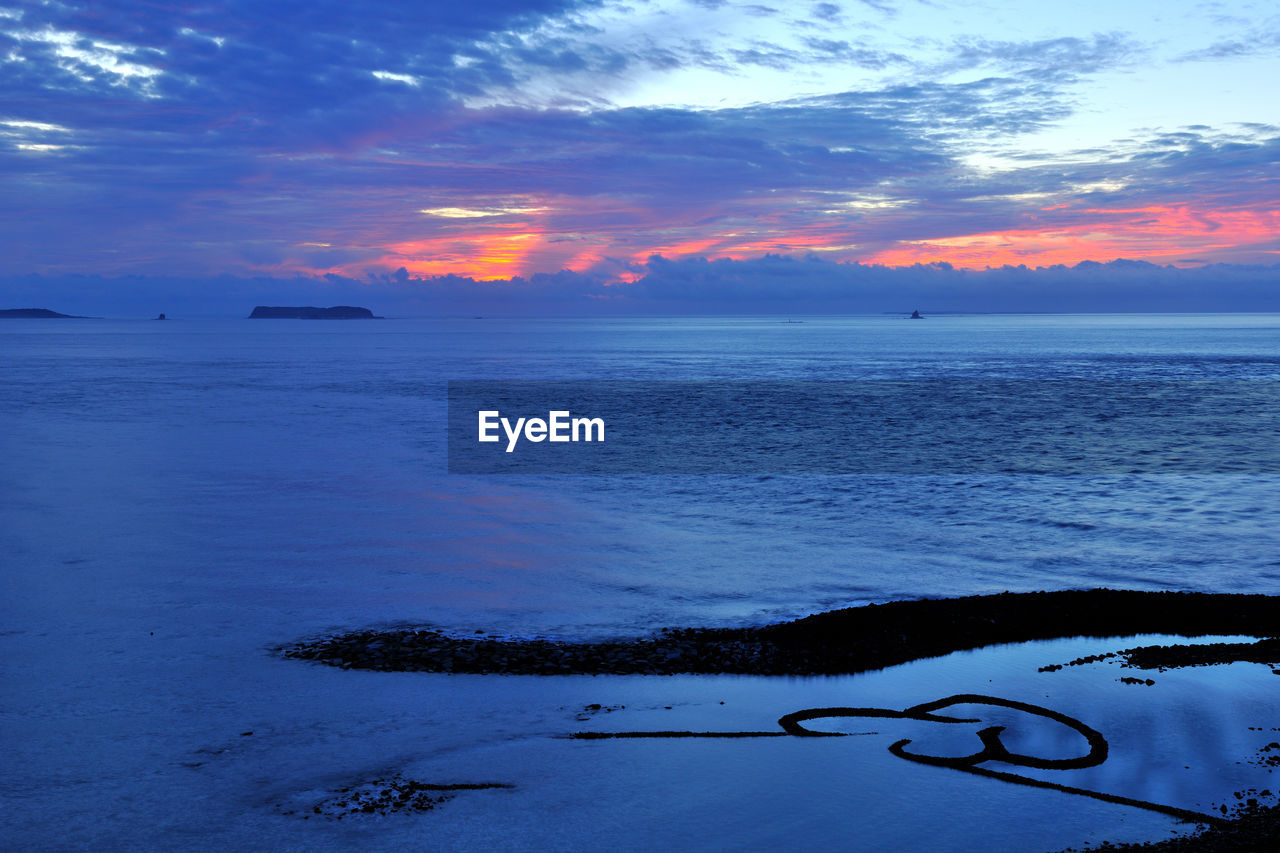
<point x="41" y="313"/>
<point x="337" y="312"/>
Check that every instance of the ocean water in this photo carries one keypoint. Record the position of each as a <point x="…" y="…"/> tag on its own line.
<point x="180" y="497"/>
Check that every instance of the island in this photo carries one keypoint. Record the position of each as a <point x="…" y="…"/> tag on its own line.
<point x="36" y="313"/>
<point x="337" y="312"/>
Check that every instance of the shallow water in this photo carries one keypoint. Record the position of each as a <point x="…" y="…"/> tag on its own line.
<point x="180" y="497"/>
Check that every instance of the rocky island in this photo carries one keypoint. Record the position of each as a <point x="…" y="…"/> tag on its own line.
<point x="337" y="312"/>
<point x="35" y="313"/>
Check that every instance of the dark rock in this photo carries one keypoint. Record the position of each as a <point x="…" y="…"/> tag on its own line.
<point x="1167" y="657"/>
<point x="394" y="795"/>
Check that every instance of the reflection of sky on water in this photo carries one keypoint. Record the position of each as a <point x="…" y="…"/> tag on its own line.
<point x="1184" y="741"/>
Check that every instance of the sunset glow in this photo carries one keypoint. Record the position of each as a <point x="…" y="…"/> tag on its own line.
<point x="1167" y="234"/>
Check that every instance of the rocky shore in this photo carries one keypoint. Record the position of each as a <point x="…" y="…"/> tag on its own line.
<point x="841" y="641"/>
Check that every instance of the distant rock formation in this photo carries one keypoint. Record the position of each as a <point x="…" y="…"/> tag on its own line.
<point x="161" y="317"/>
<point x="41" y="313"/>
<point x="915" y="315"/>
<point x="337" y="312"/>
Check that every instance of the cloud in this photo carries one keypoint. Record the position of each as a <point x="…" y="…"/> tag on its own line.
<point x="1061" y="59"/>
<point x="358" y="140"/>
<point x="854" y="175"/>
<point x="1259" y="41"/>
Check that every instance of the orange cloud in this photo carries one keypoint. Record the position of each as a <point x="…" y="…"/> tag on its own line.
<point x="498" y="238"/>
<point x="1157" y="233"/>
<point x="481" y="256"/>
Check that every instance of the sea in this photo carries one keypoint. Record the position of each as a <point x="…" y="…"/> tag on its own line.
<point x="180" y="498"/>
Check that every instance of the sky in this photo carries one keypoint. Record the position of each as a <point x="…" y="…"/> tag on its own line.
<point x="557" y="153"/>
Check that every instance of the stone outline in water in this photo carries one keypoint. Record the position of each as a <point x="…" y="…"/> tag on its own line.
<point x="993" y="748"/>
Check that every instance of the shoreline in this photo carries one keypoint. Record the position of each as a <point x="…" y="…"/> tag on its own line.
<point x="836" y="642"/>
